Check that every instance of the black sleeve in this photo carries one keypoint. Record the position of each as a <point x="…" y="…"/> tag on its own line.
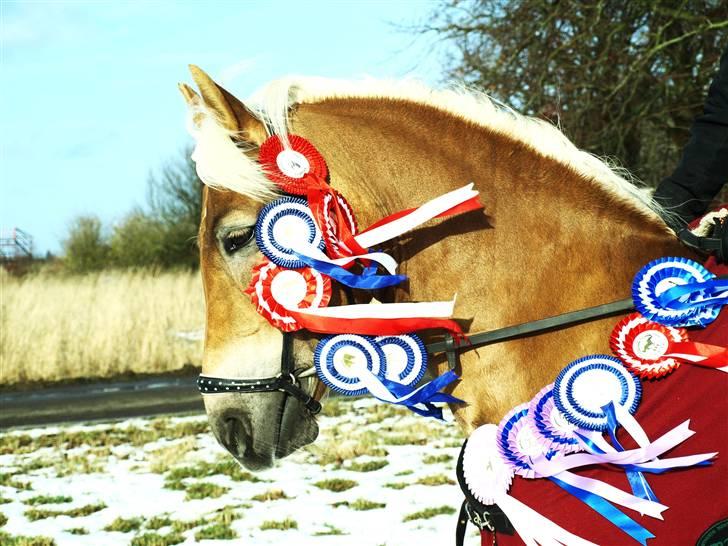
<point x="703" y="168"/>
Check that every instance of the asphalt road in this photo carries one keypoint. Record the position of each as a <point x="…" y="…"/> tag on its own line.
<point x="100" y="401"/>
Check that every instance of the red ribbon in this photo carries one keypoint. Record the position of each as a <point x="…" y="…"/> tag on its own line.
<point x="715" y="356"/>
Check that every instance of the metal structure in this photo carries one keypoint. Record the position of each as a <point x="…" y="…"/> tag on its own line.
<point x="16" y="245"/>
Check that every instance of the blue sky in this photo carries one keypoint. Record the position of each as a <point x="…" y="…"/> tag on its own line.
<point x="90" y="102"/>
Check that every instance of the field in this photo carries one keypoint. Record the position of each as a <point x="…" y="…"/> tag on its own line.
<point x="377" y="475"/>
<point x="55" y="327"/>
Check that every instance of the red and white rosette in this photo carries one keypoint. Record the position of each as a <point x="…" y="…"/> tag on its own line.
<point x="276" y="291"/>
<point x="339" y="219"/>
<point x="644" y="346"/>
<point x="296" y="169"/>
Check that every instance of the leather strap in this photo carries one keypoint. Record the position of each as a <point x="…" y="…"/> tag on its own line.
<point x="527" y="329"/>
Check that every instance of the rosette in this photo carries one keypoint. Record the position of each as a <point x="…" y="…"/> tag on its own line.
<point x="341" y="362"/>
<point x="275" y="291"/>
<point x="293" y="169"/>
<point x="642" y="345"/>
<point x="406" y="358"/>
<point x="678" y="292"/>
<point x="550" y="425"/>
<point x="486" y="475"/>
<point x="587" y="385"/>
<point x="284" y="229"/>
<point x="517" y="442"/>
<point x="339" y="226"/>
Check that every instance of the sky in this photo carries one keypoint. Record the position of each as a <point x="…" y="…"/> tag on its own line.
<point x="90" y="103"/>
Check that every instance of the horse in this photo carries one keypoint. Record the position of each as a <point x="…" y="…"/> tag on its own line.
<point x="561" y="230"/>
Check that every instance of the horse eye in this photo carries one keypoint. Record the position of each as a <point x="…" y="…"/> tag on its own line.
<point x="238" y="239"/>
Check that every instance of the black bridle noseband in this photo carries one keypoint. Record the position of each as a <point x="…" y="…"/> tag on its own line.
<point x="286" y="381"/>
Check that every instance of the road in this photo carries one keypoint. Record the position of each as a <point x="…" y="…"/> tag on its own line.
<point x="100" y="401"/>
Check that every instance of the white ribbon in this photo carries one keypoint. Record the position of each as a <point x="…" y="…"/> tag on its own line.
<point x="429" y="309"/>
<point x="420" y="215"/>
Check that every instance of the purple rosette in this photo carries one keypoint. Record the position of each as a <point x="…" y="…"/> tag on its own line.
<point x="549" y="424"/>
<point x="518" y="444"/>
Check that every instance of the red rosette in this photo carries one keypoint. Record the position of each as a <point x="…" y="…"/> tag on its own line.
<point x="642" y="345"/>
<point x="275" y="291"/>
<point x="294" y="170"/>
<point x="340" y="226"/>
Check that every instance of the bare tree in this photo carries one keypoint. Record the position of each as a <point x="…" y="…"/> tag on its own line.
<point x="623" y="79"/>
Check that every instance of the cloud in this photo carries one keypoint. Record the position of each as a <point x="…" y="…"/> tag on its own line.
<point x="232" y="72"/>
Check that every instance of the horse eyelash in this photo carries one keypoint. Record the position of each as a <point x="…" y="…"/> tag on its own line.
<point x="237" y="239"/>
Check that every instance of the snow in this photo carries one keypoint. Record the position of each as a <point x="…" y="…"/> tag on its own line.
<point x="130" y="489"/>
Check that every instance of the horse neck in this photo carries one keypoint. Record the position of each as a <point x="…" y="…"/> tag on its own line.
<point x="550" y="239"/>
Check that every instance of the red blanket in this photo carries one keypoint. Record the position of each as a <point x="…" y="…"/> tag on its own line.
<point x="697" y="497"/>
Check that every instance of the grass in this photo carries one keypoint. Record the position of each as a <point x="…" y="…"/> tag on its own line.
<point x="15" y="444"/>
<point x="9" y="480"/>
<point x="341" y="447"/>
<point x="10" y="540"/>
<point x="77" y="531"/>
<point x="4" y="500"/>
<point x="367" y="466"/>
<point x="270" y="495"/>
<point x="156" y="539"/>
<point x="35" y="514"/>
<point x="228" y="467"/>
<point x="216" y="531"/>
<point x="437" y="479"/>
<point x="47" y="499"/>
<point x="434" y="459"/>
<point x="405" y="473"/>
<point x="360" y="504"/>
<point x="3" y="519"/>
<point x="337" y="485"/>
<point x="122" y="525"/>
<point x="281" y="525"/>
<point x="428" y="513"/>
<point x="157" y="522"/>
<point x="98" y="325"/>
<point x="329" y="531"/>
<point x="205" y="490"/>
<point x="397" y="485"/>
<point x="170" y="455"/>
<point x="227" y="514"/>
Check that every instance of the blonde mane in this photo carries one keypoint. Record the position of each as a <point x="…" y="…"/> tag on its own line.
<point x="273" y="103"/>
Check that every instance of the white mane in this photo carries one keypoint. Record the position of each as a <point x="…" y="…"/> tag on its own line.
<point x="273" y="102"/>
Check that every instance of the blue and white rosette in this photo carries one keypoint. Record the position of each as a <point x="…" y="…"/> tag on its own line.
<point x="353" y="365"/>
<point x="284" y="228"/>
<point x="287" y="234"/>
<point x="678" y="292"/>
<point x="598" y="393"/>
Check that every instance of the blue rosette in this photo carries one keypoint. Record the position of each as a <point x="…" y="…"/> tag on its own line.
<point x="676" y="292"/>
<point x="587" y="385"/>
<point x="285" y="225"/>
<point x="338" y="358"/>
<point x="517" y="443"/>
<point x="406" y="358"/>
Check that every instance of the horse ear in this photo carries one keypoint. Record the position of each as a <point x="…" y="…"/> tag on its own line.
<point x="230" y="112"/>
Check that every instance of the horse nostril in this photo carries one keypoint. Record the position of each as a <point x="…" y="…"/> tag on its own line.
<point x="233" y="435"/>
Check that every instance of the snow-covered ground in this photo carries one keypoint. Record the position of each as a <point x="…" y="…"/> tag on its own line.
<point x="148" y="472"/>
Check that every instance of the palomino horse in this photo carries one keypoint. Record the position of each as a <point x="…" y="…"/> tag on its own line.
<point x="560" y="231"/>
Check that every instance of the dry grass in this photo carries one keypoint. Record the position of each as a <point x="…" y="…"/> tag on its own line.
<point x="63" y="327"/>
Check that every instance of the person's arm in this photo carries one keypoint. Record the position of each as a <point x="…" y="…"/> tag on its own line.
<point x="703" y="168"/>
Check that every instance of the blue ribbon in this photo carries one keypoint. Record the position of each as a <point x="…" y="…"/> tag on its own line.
<point x="368" y="280"/>
<point x="427" y="395"/>
<point x="637" y="480"/>
<point x="670" y="299"/>
<point x="607" y="510"/>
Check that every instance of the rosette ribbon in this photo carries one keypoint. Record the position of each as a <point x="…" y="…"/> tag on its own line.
<point x="695" y="295"/>
<point x="455" y="202"/>
<point x="700" y="354"/>
<point x="420" y="400"/>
